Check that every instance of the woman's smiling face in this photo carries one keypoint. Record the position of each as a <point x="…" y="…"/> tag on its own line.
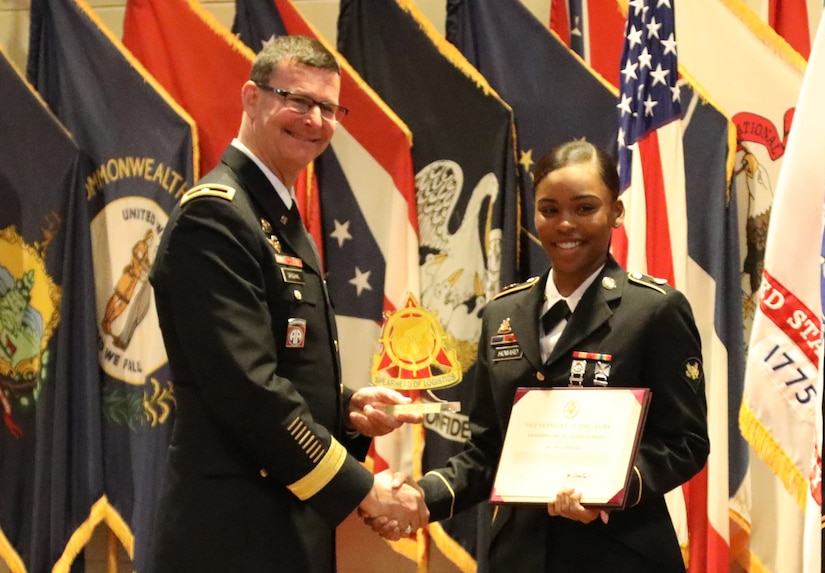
<point x="575" y="216"/>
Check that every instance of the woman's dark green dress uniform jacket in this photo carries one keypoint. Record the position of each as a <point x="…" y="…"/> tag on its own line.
<point x="649" y="330"/>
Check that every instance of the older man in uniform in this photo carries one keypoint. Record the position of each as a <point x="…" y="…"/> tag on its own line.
<point x="263" y="462"/>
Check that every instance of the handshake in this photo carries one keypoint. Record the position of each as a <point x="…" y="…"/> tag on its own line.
<point x="394" y="506"/>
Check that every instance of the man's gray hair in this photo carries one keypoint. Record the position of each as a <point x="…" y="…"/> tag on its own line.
<point x="302" y="49"/>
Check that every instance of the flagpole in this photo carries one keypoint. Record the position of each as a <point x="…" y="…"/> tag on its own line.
<point x="111" y="552"/>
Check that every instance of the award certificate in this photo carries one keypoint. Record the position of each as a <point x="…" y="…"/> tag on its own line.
<point x="582" y="437"/>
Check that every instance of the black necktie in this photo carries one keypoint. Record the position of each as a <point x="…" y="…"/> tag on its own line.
<point x="558" y="312"/>
<point x="295" y="214"/>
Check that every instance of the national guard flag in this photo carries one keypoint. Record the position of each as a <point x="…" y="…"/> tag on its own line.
<point x="50" y="467"/>
<point x="712" y="281"/>
<point x="555" y="97"/>
<point x="141" y="145"/>
<point x="463" y="156"/>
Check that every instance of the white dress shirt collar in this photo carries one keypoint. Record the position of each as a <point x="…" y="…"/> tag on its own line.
<point x="552" y="295"/>
<point x="286" y="195"/>
<point x="548" y="340"/>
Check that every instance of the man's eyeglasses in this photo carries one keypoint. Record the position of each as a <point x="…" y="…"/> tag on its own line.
<point x="303" y="104"/>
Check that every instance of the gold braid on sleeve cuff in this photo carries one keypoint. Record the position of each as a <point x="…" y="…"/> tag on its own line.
<point x="449" y="488"/>
<point x="321" y="474"/>
<point x="639" y="475"/>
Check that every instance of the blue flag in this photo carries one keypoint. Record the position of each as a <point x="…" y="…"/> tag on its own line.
<point x="713" y="247"/>
<point x="141" y="147"/>
<point x="554" y="95"/>
<point x="256" y="22"/>
<point x="49" y="466"/>
<point x="466" y="187"/>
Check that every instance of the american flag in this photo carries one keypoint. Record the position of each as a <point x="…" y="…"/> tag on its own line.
<point x="652" y="175"/>
<point x="649" y="97"/>
<point x="651" y="159"/>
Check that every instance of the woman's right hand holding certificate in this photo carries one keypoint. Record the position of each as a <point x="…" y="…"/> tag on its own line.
<point x="567" y="504"/>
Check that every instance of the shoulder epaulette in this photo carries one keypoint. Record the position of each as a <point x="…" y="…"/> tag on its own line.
<point x="208" y="190"/>
<point x="515" y="287"/>
<point x="648" y="281"/>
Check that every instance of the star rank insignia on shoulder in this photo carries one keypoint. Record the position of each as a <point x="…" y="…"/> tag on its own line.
<point x="648" y="281"/>
<point x="209" y="190"/>
<point x="515" y="287"/>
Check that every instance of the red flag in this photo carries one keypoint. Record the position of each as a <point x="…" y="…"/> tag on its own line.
<point x="593" y="29"/>
<point x="560" y="20"/>
<point x="199" y="62"/>
<point x="790" y="20"/>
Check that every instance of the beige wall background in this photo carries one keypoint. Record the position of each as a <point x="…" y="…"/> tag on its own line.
<point x="14" y="18"/>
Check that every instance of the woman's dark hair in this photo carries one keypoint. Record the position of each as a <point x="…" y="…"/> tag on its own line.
<point x="575" y="152"/>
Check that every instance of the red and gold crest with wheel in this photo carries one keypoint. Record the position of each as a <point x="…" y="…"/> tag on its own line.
<point x="413" y="355"/>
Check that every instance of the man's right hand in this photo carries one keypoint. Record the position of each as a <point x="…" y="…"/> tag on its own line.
<point x="394" y="506"/>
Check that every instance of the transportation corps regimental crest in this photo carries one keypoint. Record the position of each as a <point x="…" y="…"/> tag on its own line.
<point x="29" y="315"/>
<point x="412" y="353"/>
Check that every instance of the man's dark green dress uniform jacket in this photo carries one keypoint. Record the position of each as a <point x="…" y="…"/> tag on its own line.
<point x="260" y="469"/>
<point x="649" y="330"/>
